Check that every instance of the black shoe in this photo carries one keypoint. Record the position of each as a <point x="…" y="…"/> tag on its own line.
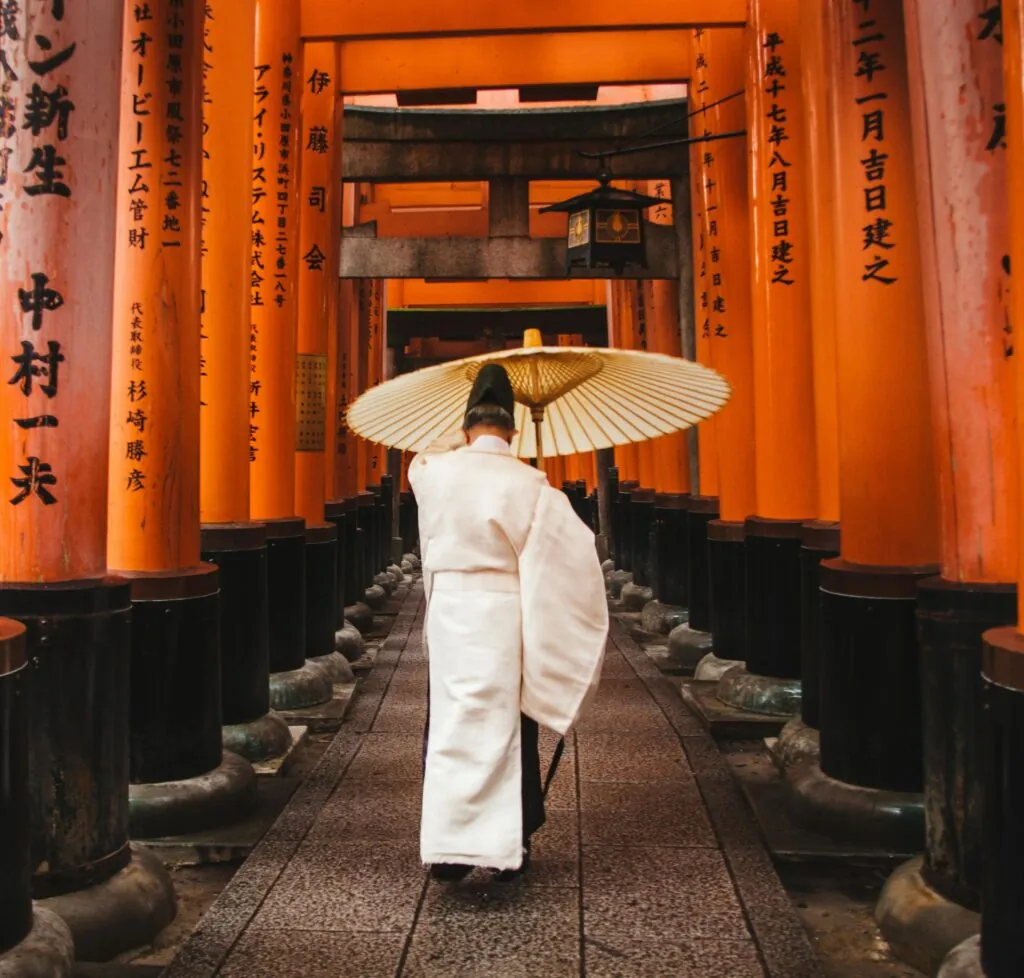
<point x="508" y="875"/>
<point x="450" y="872"/>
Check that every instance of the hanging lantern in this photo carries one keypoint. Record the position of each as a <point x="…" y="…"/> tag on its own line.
<point x="606" y="228"/>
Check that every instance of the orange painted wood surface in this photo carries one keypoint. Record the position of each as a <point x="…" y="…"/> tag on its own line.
<point x="57" y="223"/>
<point x="724" y="307"/>
<point x="786" y="468"/>
<point x="320" y="149"/>
<point x="370" y="18"/>
<point x="818" y="132"/>
<point x="153" y="507"/>
<point x="959" y="114"/>
<point x="273" y="296"/>
<point x="1013" y="79"/>
<point x="226" y="375"/>
<point x="888" y="496"/>
<point x="707" y="444"/>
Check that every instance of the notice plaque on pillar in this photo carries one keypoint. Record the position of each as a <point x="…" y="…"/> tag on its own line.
<point x="311" y="402"/>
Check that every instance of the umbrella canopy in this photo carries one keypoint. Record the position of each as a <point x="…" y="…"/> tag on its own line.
<point x="581" y="398"/>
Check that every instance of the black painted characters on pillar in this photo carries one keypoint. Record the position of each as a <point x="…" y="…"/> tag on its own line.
<point x="871" y="97"/>
<point x="991" y="32"/>
<point x="712" y="299"/>
<point x="284" y="179"/>
<point x="777" y="118"/>
<point x="262" y="163"/>
<point x="42" y="157"/>
<point x="135" y="445"/>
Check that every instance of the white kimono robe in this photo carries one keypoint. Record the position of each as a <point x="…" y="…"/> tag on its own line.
<point x="517" y="620"/>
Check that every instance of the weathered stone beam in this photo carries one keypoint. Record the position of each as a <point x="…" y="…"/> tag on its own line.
<point x="366" y="256"/>
<point x="430" y="144"/>
<point x="611" y="123"/>
<point x="390" y="162"/>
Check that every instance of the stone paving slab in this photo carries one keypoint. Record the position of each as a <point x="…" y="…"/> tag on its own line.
<point x="649" y="866"/>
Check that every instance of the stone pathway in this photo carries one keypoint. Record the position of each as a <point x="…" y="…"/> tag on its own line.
<point x="649" y="866"/>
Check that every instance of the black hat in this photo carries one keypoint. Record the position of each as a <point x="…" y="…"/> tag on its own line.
<point x="492" y="386"/>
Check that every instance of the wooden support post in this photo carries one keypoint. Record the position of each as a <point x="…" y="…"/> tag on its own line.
<point x="57" y="224"/>
<point x="991" y="132"/>
<point x="278" y="85"/>
<point x="154" y="439"/>
<point x="784" y="440"/>
<point x="319" y="215"/>
<point x="869" y="680"/>
<point x="227" y="538"/>
<point x="725" y="323"/>
<point x="956" y="79"/>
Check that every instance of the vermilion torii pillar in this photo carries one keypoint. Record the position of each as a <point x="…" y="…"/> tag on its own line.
<point x="689" y="643"/>
<point x="956" y="66"/>
<point x="277" y="98"/>
<point x="182" y="780"/>
<point x="868" y="784"/>
<point x="783" y="374"/>
<point x="228" y="538"/>
<point x="999" y="954"/>
<point x="726" y="323"/>
<point x="61" y="66"/>
<point x="319" y="229"/>
<point x="820" y="539"/>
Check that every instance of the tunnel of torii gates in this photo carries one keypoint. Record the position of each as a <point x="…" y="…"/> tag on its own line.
<point x="193" y="294"/>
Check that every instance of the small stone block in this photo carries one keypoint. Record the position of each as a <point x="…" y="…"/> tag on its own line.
<point x="725" y="721"/>
<point x="276" y="767"/>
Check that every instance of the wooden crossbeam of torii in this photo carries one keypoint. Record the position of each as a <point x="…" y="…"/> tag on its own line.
<point x="349" y="19"/>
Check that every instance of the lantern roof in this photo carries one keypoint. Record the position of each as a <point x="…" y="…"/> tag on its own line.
<point x="605" y="196"/>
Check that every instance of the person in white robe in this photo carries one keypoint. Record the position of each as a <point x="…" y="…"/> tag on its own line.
<point x="516" y="626"/>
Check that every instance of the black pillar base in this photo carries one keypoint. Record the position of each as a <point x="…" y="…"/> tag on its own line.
<point x="77" y="679"/>
<point x="46" y="951"/>
<point x="641" y="515"/>
<point x="672" y="549"/>
<point x="121" y="913"/>
<point x="930" y="906"/>
<point x="260" y="740"/>
<point x="222" y="796"/>
<point x="869" y="787"/>
<point x="286" y="589"/>
<point x="360" y="615"/>
<point x="251" y="730"/>
<point x="658" y="618"/>
<point x="353" y="582"/>
<point x="321" y="589"/>
<point x="181" y="779"/>
<point x="769" y="682"/>
<point x="299" y="689"/>
<point x="686" y="648"/>
<point x="375" y="597"/>
<point x="727" y="562"/>
<point x="334" y="513"/>
<point x="366" y="513"/>
<point x="820" y="541"/>
<point x="919" y="923"/>
<point x="1002" y="750"/>
<point x="624" y="525"/>
<point x="349" y="642"/>
<point x="744" y="690"/>
<point x="700" y="512"/>
<point x="892" y="821"/>
<point x="15" y="831"/>
<point x="797" y="744"/>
